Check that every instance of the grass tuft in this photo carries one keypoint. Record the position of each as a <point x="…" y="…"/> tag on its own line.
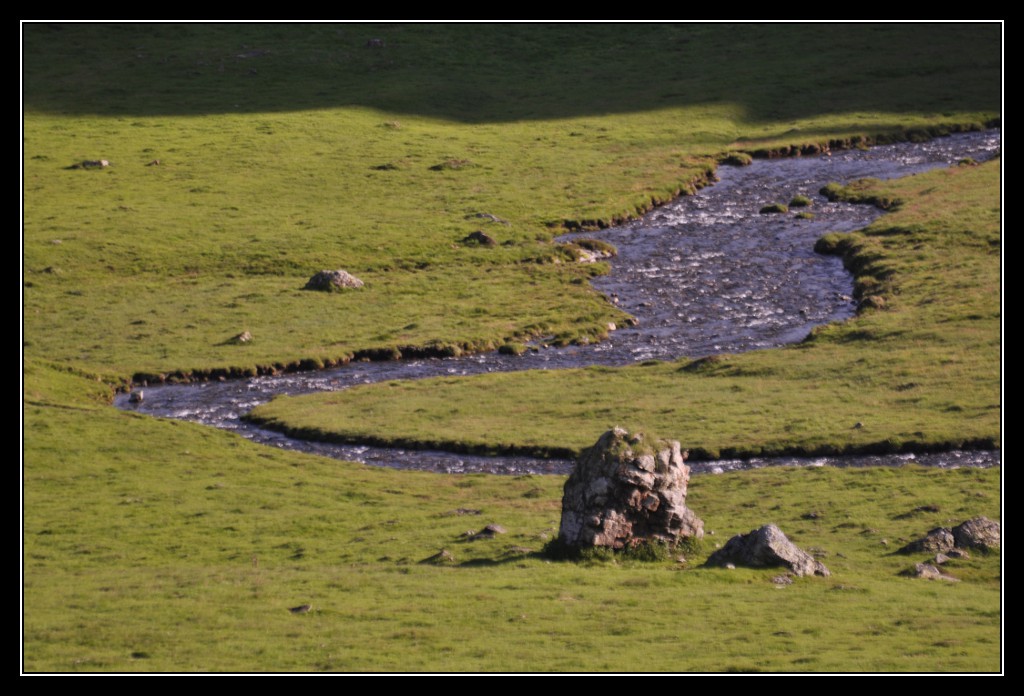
<point x="737" y="159"/>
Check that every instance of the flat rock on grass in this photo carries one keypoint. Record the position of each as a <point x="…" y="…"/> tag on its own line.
<point x="928" y="572"/>
<point x="938" y="540"/>
<point x="333" y="281"/>
<point x="767" y="547"/>
<point x="442" y="557"/>
<point x="487" y="532"/>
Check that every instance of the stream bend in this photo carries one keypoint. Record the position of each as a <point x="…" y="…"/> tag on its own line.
<point x="705" y="274"/>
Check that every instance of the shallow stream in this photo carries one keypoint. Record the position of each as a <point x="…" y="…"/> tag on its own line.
<point x="704" y="274"/>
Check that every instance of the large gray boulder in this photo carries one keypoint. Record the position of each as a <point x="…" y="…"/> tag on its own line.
<point x="767" y="547"/>
<point x="977" y="533"/>
<point x="625" y="490"/>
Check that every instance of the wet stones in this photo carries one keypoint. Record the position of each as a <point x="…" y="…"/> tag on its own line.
<point x="627" y="490"/>
<point x="767" y="547"/>
<point x="590" y="251"/>
<point x="333" y="281"/>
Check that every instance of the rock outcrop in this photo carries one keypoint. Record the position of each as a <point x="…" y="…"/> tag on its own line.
<point x="975" y="533"/>
<point x="938" y="540"/>
<point x="978" y="533"/>
<point x="332" y="281"/>
<point x="626" y="490"/>
<point x="767" y="547"/>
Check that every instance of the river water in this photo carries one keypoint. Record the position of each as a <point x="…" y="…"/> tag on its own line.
<point x="705" y="274"/>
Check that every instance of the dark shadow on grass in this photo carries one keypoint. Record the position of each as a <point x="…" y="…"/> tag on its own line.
<point x="503" y="558"/>
<point x="479" y="73"/>
<point x="481" y="562"/>
<point x="868" y="335"/>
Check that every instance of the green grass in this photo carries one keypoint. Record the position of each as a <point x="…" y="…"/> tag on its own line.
<point x="287" y="149"/>
<point x="188" y="555"/>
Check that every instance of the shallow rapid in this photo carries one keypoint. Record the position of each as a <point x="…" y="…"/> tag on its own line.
<point x="704" y="274"/>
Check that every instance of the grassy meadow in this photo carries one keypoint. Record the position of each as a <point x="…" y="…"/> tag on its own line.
<point x="246" y="157"/>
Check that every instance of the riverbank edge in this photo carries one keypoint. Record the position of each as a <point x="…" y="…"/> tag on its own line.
<point x="696" y="454"/>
